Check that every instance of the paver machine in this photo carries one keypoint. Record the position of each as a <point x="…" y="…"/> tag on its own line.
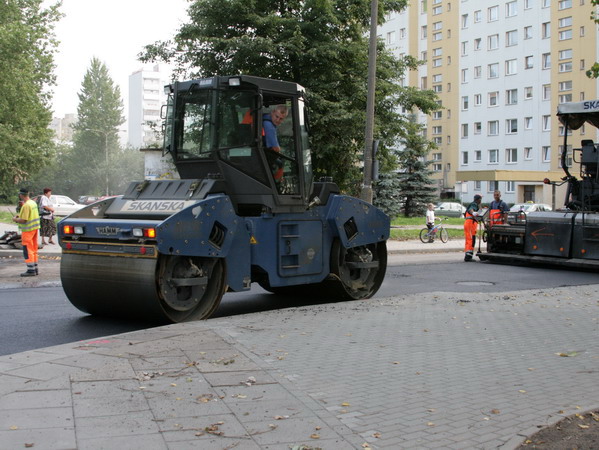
<point x="568" y="236"/>
<point x="241" y="212"/>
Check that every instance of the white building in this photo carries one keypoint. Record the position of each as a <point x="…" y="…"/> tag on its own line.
<point x="62" y="127"/>
<point x="146" y="97"/>
<point x="499" y="69"/>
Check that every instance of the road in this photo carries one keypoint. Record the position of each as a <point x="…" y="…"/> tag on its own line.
<point x="40" y="317"/>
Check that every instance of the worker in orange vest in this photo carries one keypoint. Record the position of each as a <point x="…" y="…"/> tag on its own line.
<point x="498" y="210"/>
<point x="470" y="227"/>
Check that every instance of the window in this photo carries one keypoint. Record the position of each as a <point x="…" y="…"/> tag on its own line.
<point x="565" y="22"/>
<point x="477" y="44"/>
<point x="511" y="155"/>
<point x="528" y="93"/>
<point x="423" y="83"/>
<point x="564" y="4"/>
<point x="423" y="6"/>
<point x="582" y="31"/>
<point x="464" y="75"/>
<point x="464" y="20"/>
<point x="437" y="36"/>
<point x="478" y="99"/>
<point x="528" y="64"/>
<point x="477" y="185"/>
<point x="527" y="4"/>
<point x="402" y="33"/>
<point x="437" y="78"/>
<point x="546" y="154"/>
<point x="546" y="60"/>
<point x="438" y="88"/>
<point x="464" y="46"/>
<point x="438" y="140"/>
<point x="546" y="30"/>
<point x="511" y="97"/>
<point x="565" y="35"/>
<point x="565" y="86"/>
<point x="437" y="62"/>
<point x="437" y="26"/>
<point x="511" y="9"/>
<point x="510" y="186"/>
<point x="424" y="56"/>
<point x="546" y="92"/>
<point x="478" y="16"/>
<point x="511" y="126"/>
<point x="546" y="123"/>
<point x="565" y="98"/>
<point x="493" y="186"/>
<point x="437" y="10"/>
<point x="438" y="130"/>
<point x="493" y="157"/>
<point x="528" y="123"/>
<point x="437" y="167"/>
<point x="478" y="157"/>
<point x="528" y="153"/>
<point x="565" y="54"/>
<point x="493" y="42"/>
<point x="511" y="38"/>
<point x="493" y="70"/>
<point x="390" y="37"/>
<point x="437" y="52"/>
<point x="511" y="67"/>
<point x="464" y="130"/>
<point x="493" y="98"/>
<point x="493" y="128"/>
<point x="492" y="13"/>
<point x="478" y="70"/>
<point x="528" y="32"/>
<point x="437" y="156"/>
<point x="423" y="32"/>
<point x="565" y="67"/>
<point x="546" y="3"/>
<point x="464" y="158"/>
<point x="582" y="64"/>
<point x="477" y="127"/>
<point x="465" y="103"/>
<point x="437" y="115"/>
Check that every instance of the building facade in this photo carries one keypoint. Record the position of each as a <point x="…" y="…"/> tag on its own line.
<point x="499" y="69"/>
<point x="146" y="97"/>
<point x="63" y="127"/>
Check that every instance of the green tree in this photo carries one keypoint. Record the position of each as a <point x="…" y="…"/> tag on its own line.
<point x="27" y="47"/>
<point x="415" y="184"/>
<point x="593" y="72"/>
<point x="388" y="195"/>
<point x="320" y="44"/>
<point x="95" y="137"/>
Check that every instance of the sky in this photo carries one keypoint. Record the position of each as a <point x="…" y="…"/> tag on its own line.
<point x="114" y="31"/>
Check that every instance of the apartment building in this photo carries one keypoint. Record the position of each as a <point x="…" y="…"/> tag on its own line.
<point x="63" y="127"/>
<point x="146" y="97"/>
<point x="499" y="68"/>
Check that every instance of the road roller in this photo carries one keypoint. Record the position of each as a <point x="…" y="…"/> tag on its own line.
<point x="241" y="211"/>
<point x="569" y="236"/>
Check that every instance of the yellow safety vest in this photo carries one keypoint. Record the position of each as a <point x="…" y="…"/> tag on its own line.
<point x="30" y="213"/>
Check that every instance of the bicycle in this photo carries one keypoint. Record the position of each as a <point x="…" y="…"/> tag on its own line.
<point x="427" y="235"/>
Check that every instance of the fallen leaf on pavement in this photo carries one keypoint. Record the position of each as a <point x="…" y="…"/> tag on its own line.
<point x="315" y="436"/>
<point x="345" y="404"/>
<point x="495" y="411"/>
<point x="568" y="354"/>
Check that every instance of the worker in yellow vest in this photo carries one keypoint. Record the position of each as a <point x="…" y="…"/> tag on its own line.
<point x="29" y="225"/>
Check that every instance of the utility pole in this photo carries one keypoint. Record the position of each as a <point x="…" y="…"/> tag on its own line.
<point x="366" y="193"/>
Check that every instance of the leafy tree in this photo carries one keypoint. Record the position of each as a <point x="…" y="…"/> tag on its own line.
<point x="415" y="184"/>
<point x="27" y="47"/>
<point x="95" y="137"/>
<point x="593" y="72"/>
<point x="320" y="44"/>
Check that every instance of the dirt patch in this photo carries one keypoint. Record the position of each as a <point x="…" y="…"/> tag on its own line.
<point x="12" y="267"/>
<point x="577" y="432"/>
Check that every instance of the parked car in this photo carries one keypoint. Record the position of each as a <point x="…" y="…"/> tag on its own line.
<point x="530" y="207"/>
<point x="451" y="209"/>
<point x="87" y="199"/>
<point x="63" y="205"/>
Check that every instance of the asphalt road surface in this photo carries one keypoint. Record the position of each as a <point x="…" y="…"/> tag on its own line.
<point x="33" y="318"/>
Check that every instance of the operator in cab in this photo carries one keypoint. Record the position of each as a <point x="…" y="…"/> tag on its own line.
<point x="270" y="122"/>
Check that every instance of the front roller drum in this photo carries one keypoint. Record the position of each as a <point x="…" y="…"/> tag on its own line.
<point x="169" y="289"/>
